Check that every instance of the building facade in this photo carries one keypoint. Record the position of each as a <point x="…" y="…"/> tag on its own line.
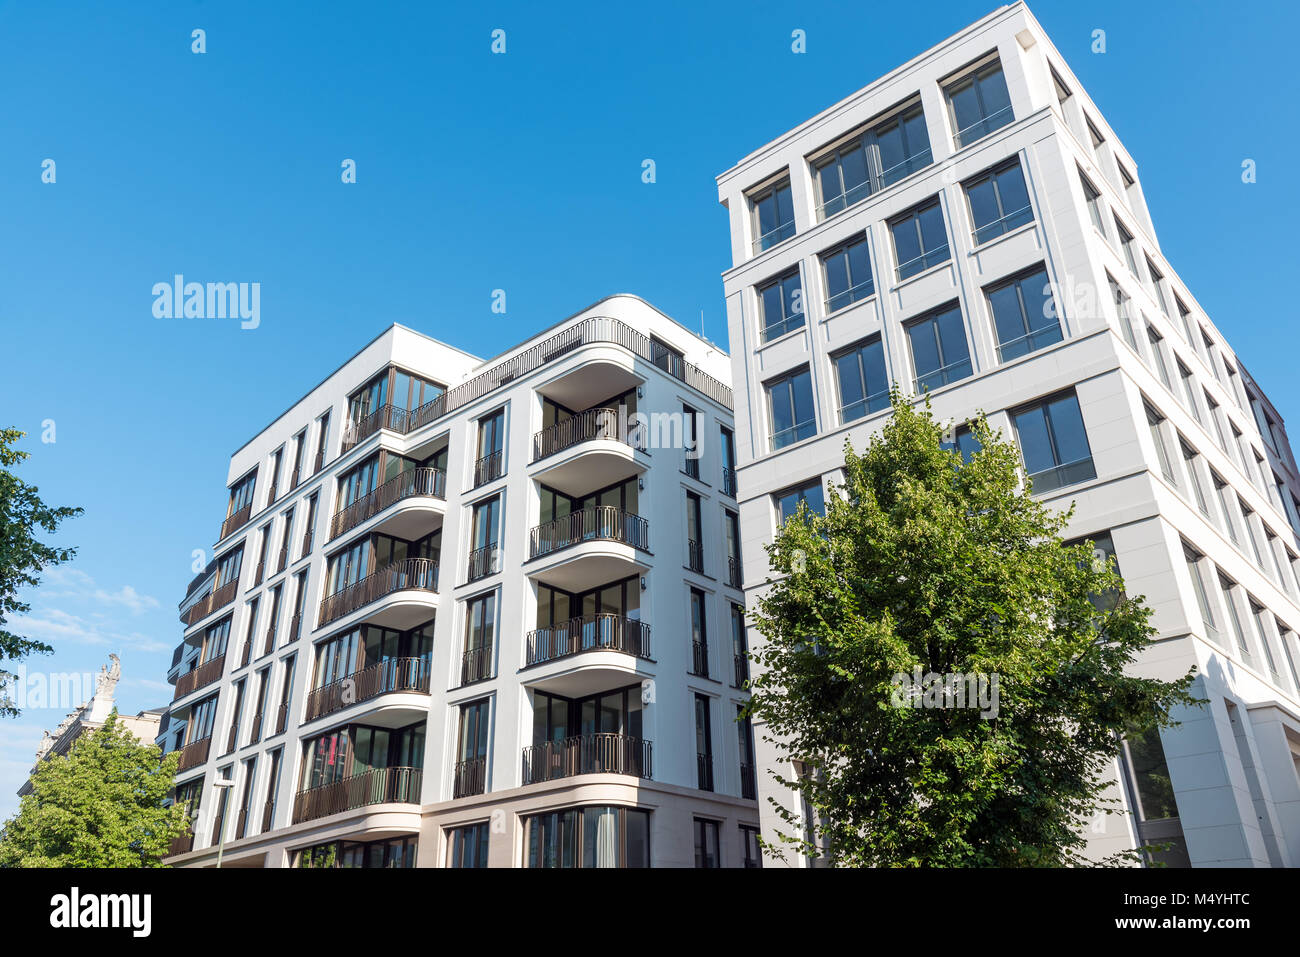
<point x="477" y="613"/>
<point x="970" y="225"/>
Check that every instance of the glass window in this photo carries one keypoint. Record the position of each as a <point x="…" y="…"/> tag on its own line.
<point x="964" y="441"/>
<point x="920" y="239"/>
<point x="780" y="304"/>
<point x="1121" y="310"/>
<point x="863" y="382"/>
<point x="843" y="176"/>
<point x="773" y="211"/>
<point x="1092" y="199"/>
<point x="1155" y="421"/>
<point x="588" y="837"/>
<point x="1024" y="314"/>
<point x="1157" y="285"/>
<point x="1202" y="597"/>
<point x="939" y="350"/>
<point x="1054" y="443"/>
<point x="847" y="269"/>
<point x="980" y="103"/>
<point x="1234" y="617"/>
<point x="1189" y="391"/>
<point x="904" y="145"/>
<point x="1126" y="242"/>
<point x="790" y="400"/>
<point x="872" y="160"/>
<point x="468" y="846"/>
<point x="706" y="843"/>
<point x="1157" y="343"/>
<point x="999" y="201"/>
<point x="787" y="502"/>
<point x="1190" y="458"/>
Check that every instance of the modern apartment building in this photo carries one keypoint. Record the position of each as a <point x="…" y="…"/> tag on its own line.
<point x="970" y="225"/>
<point x="478" y="613"/>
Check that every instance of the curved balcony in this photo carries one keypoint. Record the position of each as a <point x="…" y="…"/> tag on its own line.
<point x="194" y="754"/>
<point x="586" y="547"/>
<point x="417" y="575"/>
<point x="589" y="450"/>
<point x="597" y="753"/>
<point x="202" y="676"/>
<point x="217" y="599"/>
<point x="408" y="523"/>
<point x="236" y="520"/>
<point x="584" y="655"/>
<point x="396" y="675"/>
<point x="376" y="786"/>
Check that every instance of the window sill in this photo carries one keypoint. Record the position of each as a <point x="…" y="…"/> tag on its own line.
<point x="989" y="243"/>
<point x="917" y="277"/>
<point x="842" y="310"/>
<point x="784" y="336"/>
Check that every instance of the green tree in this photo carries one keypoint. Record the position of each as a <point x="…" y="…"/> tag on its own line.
<point x="100" y="805"/>
<point x="926" y="560"/>
<point x="22" y="555"/>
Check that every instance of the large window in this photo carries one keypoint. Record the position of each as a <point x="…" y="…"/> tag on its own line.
<point x="980" y="103"/>
<point x="1121" y="300"/>
<point x="773" y="212"/>
<point x="1053" y="443"/>
<point x="1194" y="559"/>
<point x="480" y="629"/>
<point x="863" y="381"/>
<point x="1024" y="314"/>
<point x="1092" y="198"/>
<point x="871" y="160"/>
<point x="781" y="306"/>
<point x="471" y="748"/>
<point x="790" y="403"/>
<point x="1126" y="243"/>
<point x="999" y="201"/>
<point x="241" y="493"/>
<point x="940" y="353"/>
<point x="588" y="837"/>
<point x="703" y="743"/>
<point x="787" y="502"/>
<point x="699" y="634"/>
<point x="467" y="846"/>
<point x="491" y="436"/>
<point x="706" y="843"/>
<point x="920" y="239"/>
<point x="847" y="269"/>
<point x="485" y="522"/>
<point x="394" y="852"/>
<point x="1155" y="421"/>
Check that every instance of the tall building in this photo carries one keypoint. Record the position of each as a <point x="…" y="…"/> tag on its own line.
<point x="477" y="613"/>
<point x="970" y="225"/>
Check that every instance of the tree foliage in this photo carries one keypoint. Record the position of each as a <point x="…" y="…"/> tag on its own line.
<point x="100" y="805"/>
<point x="22" y="555"/>
<point x="925" y="560"/>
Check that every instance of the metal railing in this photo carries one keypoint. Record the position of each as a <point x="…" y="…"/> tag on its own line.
<point x="202" y="676"/>
<point x="282" y="718"/>
<point x="695" y="555"/>
<point x="735" y="572"/>
<point x="397" y="785"/>
<point x="740" y="666"/>
<point x="489" y="467"/>
<point x="215" y="600"/>
<point x="748" y="782"/>
<point x="413" y="573"/>
<point x="483" y="562"/>
<point x="393" y="675"/>
<point x="476" y="665"/>
<point x="700" y="659"/>
<point x="411" y="483"/>
<point x="236" y="520"/>
<point x="596" y="753"/>
<point x="469" y="777"/>
<point x="600" y="423"/>
<point x="588" y="633"/>
<point x="194" y="754"/>
<point x="598" y="523"/>
<point x="704" y="771"/>
<point x="729" y="482"/>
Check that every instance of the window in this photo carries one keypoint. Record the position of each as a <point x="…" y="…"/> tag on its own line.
<point x="780" y="304"/>
<point x="1227" y="502"/>
<point x="940" y="353"/>
<point x="397" y="852"/>
<point x="667" y="358"/>
<point x="749" y="841"/>
<point x="241" y="502"/>
<point x="745" y="743"/>
<point x="284" y="541"/>
<point x="1054" y="443"/>
<point x="588" y="837"/>
<point x="322" y="436"/>
<point x="1212" y="409"/>
<point x="1267" y="427"/>
<point x="236" y="713"/>
<point x="731" y="528"/>
<point x="1193" y="559"/>
<point x="703" y="743"/>
<point x="272" y="786"/>
<point x="694" y="534"/>
<point x="739" y="647"/>
<point x="1058" y="85"/>
<point x="1247" y="514"/>
<point x="699" y="634"/>
<point x="1234" y="618"/>
<point x="790" y="403"/>
<point x="920" y="239"/>
<point x="1284" y="637"/>
<point x="980" y="103"/>
<point x="728" y="450"/>
<point x="1157" y="285"/>
<point x="489" y="463"/>
<point x="485" y="556"/>
<point x="1273" y="546"/>
<point x="1185" y="319"/>
<point x="964" y="441"/>
<point x="410" y="392"/>
<point x="277" y="459"/>
<point x="1121" y="310"/>
<point x="1144" y="765"/>
<point x="1094" y="137"/>
<point x="706" y="843"/>
<point x="470" y="775"/>
<point x="810" y="493"/>
<point x="690" y="441"/>
<point x="1126" y="243"/>
<point x="773" y="215"/>
<point x="1232" y="385"/>
<point x="863" y="382"/>
<point x="1092" y="199"/>
<point x="1190" y="458"/>
<point x="1024" y="314"/>
<point x="847" y="271"/>
<point x="480" y="629"/>
<point x="1261" y="632"/>
<point x="871" y="160"/>
<point x="999" y="201"/>
<point x="1158" y="354"/>
<point x="467" y="846"/>
<point x="1189" y="391"/>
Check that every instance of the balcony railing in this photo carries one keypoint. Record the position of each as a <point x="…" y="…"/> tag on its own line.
<point x="268" y="815"/>
<point x="700" y="659"/>
<point x="413" y="573"/>
<point x="255" y="732"/>
<point x="236" y="520"/>
<point x="320" y="460"/>
<point x="282" y="718"/>
<point x="598" y="523"/>
<point x="270" y="496"/>
<point x="476" y="665"/>
<point x="261" y="570"/>
<point x="393" y="675"/>
<point x="200" y="677"/>
<point x="308" y="539"/>
<point x="583" y="427"/>
<point x="234" y="737"/>
<point x="269" y="645"/>
<point x="181" y="845"/>
<point x="729" y="482"/>
<point x="248" y="651"/>
<point x="692" y="465"/>
<point x="284" y="558"/>
<point x="413" y="482"/>
<point x="295" y="478"/>
<point x="215" y="600"/>
<point x="194" y="754"/>
<point x="385" y="417"/>
<point x="748" y="783"/>
<point x="241" y="823"/>
<point x="376" y="786"/>
<point x="695" y="555"/>
<point x="469" y="778"/>
<point x="598" y="753"/>
<point x="740" y="666"/>
<point x="589" y="633"/>
<point x="735" y="574"/>
<point x="489" y="467"/>
<point x="704" y="771"/>
<point x="295" y="628"/>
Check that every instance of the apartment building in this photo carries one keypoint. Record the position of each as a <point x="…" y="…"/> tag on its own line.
<point x="469" y="613"/>
<point x="970" y="225"/>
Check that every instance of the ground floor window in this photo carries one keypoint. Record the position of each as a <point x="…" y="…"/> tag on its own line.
<point x="468" y="846"/>
<point x="396" y="852"/>
<point x="596" y="836"/>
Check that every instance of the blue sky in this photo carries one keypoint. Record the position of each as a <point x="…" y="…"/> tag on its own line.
<point x="475" y="172"/>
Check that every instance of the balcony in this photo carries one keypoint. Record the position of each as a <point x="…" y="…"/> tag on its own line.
<point x="181" y="845"/>
<point x="483" y="562"/>
<point x="385" y="417"/>
<point x="413" y="574"/>
<point x="489" y="468"/>
<point x="377" y="786"/>
<point x="194" y="754"/>
<point x="202" y="676"/>
<point x="235" y="521"/>
<point x="695" y="555"/>
<point x="590" y="450"/>
<point x="600" y="538"/>
<point x="597" y="753"/>
<point x="215" y="601"/>
<point x="407" y="675"/>
<point x="729" y="482"/>
<point x="585" y="655"/>
<point x="476" y="665"/>
<point x="413" y="483"/>
<point x="735" y="574"/>
<point x="469" y="778"/>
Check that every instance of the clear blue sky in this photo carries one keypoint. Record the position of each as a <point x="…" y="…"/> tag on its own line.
<point x="475" y="172"/>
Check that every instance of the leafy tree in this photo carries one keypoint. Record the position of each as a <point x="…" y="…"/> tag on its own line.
<point x="100" y="805"/>
<point x="22" y="555"/>
<point x="927" y="560"/>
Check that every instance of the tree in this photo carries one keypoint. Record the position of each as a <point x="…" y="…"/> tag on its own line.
<point x="22" y="556"/>
<point x="928" y="564"/>
<point x="100" y="805"/>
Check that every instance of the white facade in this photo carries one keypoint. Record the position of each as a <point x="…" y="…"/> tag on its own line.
<point x="450" y="768"/>
<point x="1232" y="765"/>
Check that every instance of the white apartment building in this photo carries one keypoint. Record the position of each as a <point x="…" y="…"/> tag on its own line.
<point x="971" y="225"/>
<point x="465" y="612"/>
